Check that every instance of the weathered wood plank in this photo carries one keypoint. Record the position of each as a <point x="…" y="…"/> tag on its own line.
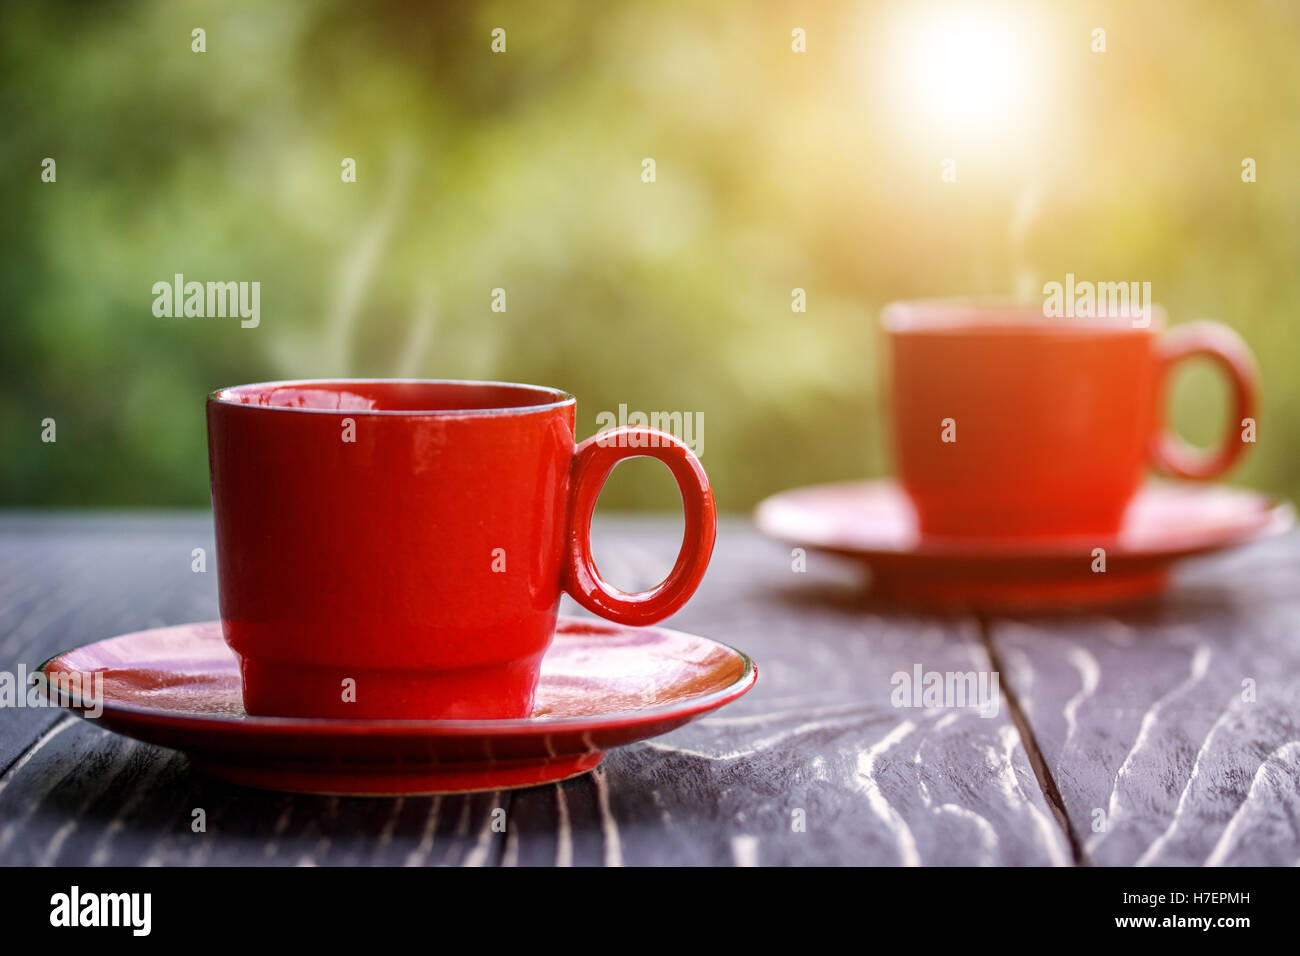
<point x="91" y="797"/>
<point x="1146" y="723"/>
<point x="71" y="793"/>
<point x="71" y="579"/>
<point x="875" y="784"/>
<point x="817" y="740"/>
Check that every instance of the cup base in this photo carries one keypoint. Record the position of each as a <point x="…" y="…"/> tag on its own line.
<point x="1019" y="519"/>
<point x="285" y="689"/>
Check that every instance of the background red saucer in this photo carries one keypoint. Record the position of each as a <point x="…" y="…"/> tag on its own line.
<point x="873" y="522"/>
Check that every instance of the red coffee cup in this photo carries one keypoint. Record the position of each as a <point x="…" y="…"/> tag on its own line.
<point x="1010" y="423"/>
<point x="397" y="549"/>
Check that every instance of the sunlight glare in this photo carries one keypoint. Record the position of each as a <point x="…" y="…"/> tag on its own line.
<point x="963" y="69"/>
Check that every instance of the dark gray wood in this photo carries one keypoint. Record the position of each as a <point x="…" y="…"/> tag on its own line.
<point x="1141" y="714"/>
<point x="72" y="793"/>
<point x="877" y="785"/>
<point x="817" y="741"/>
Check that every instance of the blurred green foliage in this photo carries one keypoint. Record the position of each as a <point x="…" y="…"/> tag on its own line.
<point x="775" y="170"/>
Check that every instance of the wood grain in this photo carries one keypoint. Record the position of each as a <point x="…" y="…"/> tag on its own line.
<point x="1146" y="724"/>
<point x="814" y="766"/>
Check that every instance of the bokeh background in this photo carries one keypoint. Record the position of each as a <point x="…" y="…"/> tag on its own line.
<point x="775" y="170"/>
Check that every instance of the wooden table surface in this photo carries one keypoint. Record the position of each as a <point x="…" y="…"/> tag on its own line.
<point x="1162" y="734"/>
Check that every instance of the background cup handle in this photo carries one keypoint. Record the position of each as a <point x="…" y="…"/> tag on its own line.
<point x="1225" y="347"/>
<point x="594" y="460"/>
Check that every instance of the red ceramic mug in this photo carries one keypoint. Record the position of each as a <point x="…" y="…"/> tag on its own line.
<point x="397" y="549"/>
<point x="1010" y="423"/>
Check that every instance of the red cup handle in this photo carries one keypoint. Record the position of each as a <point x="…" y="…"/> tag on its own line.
<point x="1225" y="347"/>
<point x="595" y="459"/>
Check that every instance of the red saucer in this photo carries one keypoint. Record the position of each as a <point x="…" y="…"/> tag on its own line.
<point x="874" y="522"/>
<point x="602" y="685"/>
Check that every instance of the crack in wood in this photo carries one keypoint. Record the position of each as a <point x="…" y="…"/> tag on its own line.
<point x="1046" y="782"/>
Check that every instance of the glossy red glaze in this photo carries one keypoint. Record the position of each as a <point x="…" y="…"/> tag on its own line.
<point x="1056" y="421"/>
<point x="602" y="685"/>
<point x="412" y="537"/>
<point x="596" y="458"/>
<point x="1223" y="346"/>
<point x="874" y="522"/>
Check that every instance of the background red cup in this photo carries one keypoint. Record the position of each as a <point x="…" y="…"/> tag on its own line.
<point x="397" y="549"/>
<point x="1053" y="422"/>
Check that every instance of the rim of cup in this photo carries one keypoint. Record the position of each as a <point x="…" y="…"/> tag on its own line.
<point x="534" y="398"/>
<point x="955" y="313"/>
